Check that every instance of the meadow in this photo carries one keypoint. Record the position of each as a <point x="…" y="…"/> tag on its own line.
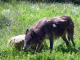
<point x="16" y="17"/>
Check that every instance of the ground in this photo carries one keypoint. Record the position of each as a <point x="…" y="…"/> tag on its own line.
<point x="16" y="17"/>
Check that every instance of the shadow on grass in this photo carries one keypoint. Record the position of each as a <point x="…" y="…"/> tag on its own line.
<point x="68" y="49"/>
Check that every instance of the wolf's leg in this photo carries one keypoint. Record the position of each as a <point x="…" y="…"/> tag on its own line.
<point x="51" y="45"/>
<point x="38" y="47"/>
<point x="64" y="38"/>
<point x="68" y="37"/>
<point x="71" y="37"/>
<point x="72" y="41"/>
<point x="51" y="42"/>
<point x="70" y="31"/>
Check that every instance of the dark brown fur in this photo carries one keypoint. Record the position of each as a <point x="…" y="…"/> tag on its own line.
<point x="49" y="28"/>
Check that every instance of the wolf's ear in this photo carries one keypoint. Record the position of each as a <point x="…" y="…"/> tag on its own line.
<point x="27" y="31"/>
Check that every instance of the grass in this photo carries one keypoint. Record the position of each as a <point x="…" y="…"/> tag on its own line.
<point x="16" y="17"/>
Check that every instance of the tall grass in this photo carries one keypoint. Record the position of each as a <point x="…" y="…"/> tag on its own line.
<point x="16" y="17"/>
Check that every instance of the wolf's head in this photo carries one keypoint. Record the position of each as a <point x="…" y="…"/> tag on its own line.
<point x="29" y="39"/>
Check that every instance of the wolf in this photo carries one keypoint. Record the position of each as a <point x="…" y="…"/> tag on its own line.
<point x="49" y="28"/>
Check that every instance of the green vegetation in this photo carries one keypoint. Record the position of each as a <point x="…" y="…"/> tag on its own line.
<point x="16" y="17"/>
<point x="74" y="1"/>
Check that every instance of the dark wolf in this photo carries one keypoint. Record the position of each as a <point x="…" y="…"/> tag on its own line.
<point x="49" y="28"/>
